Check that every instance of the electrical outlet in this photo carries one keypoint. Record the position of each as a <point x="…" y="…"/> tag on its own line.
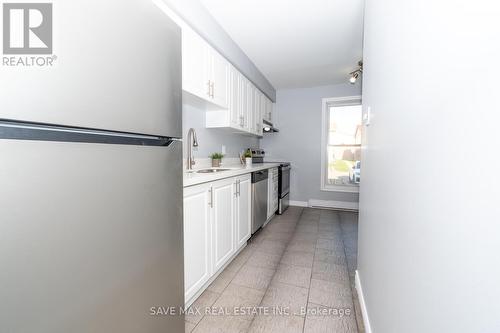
<point x="223" y="150"/>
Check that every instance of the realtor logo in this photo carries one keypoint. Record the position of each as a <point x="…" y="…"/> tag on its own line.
<point x="27" y="28"/>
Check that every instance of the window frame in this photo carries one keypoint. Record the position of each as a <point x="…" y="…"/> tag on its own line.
<point x="326" y="104"/>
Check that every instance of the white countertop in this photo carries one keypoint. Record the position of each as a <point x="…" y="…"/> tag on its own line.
<point x="193" y="178"/>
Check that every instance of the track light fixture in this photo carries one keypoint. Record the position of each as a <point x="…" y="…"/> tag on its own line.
<point x="355" y="74"/>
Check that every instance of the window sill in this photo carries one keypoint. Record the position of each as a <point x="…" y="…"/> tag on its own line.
<point x="340" y="188"/>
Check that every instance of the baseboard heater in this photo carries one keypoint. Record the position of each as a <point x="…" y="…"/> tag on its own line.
<point x="329" y="204"/>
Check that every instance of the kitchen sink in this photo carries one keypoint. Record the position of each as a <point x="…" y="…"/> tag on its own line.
<point x="208" y="170"/>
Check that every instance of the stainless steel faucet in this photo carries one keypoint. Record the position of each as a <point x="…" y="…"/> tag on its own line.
<point x="192" y="142"/>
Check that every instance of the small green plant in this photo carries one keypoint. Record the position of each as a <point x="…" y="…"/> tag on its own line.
<point x="217" y="156"/>
<point x="248" y="154"/>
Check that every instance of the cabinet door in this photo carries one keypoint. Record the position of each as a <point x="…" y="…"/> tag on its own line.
<point x="247" y="102"/>
<point x="269" y="110"/>
<point x="260" y="113"/>
<point x="272" y="202"/>
<point x="197" y="238"/>
<point x="223" y="221"/>
<point x="251" y="107"/>
<point x="219" y="79"/>
<point x="265" y="113"/>
<point x="195" y="65"/>
<point x="275" y="190"/>
<point x="243" y="210"/>
<point x="270" y="190"/>
<point x="236" y="117"/>
<point x="243" y="99"/>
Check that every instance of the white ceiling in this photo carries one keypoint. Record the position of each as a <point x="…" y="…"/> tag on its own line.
<point x="295" y="43"/>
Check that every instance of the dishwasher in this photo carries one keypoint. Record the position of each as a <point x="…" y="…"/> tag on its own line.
<point x="259" y="199"/>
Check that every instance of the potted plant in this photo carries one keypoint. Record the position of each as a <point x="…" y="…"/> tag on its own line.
<point x="248" y="158"/>
<point x="216" y="159"/>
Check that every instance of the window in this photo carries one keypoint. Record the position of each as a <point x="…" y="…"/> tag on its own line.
<point x="341" y="144"/>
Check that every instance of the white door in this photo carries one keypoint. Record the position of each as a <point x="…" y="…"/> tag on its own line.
<point x="243" y="210"/>
<point x="219" y="79"/>
<point x="223" y="224"/>
<point x="195" y="65"/>
<point x="197" y="238"/>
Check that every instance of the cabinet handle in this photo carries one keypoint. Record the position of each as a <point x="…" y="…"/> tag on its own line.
<point x="211" y="203"/>
<point x="209" y="86"/>
<point x="213" y="89"/>
<point x="239" y="188"/>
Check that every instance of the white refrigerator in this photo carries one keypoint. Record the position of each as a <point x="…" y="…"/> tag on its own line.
<point x="91" y="169"/>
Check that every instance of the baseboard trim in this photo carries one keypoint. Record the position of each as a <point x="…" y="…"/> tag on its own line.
<point x="346" y="205"/>
<point x="299" y="203"/>
<point x="361" y="297"/>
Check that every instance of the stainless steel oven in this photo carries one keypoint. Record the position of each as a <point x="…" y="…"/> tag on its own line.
<point x="284" y="168"/>
<point x="284" y="187"/>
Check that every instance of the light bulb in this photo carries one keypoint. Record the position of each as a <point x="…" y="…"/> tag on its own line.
<point x="353" y="77"/>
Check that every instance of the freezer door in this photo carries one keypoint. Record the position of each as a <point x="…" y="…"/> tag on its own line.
<point x="91" y="237"/>
<point x="118" y="67"/>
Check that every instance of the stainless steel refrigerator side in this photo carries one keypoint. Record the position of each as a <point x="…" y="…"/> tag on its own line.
<point x="91" y="237"/>
<point x="118" y="68"/>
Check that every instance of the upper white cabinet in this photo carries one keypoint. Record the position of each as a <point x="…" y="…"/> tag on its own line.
<point x="218" y="78"/>
<point x="259" y="111"/>
<point x="236" y="117"/>
<point x="195" y="67"/>
<point x="233" y="102"/>
<point x="246" y="107"/>
<point x="268" y="110"/>
<point x="205" y="73"/>
<point x="251" y="107"/>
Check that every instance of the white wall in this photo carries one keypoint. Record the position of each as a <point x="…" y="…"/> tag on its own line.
<point x="298" y="113"/>
<point x="197" y="16"/>
<point x="210" y="140"/>
<point x="429" y="234"/>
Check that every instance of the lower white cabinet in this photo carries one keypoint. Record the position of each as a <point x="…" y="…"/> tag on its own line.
<point x="217" y="221"/>
<point x="272" y="190"/>
<point x="243" y="211"/>
<point x="197" y="238"/>
<point x="223" y="225"/>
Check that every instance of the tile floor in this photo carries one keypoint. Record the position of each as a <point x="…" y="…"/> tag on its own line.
<point x="303" y="259"/>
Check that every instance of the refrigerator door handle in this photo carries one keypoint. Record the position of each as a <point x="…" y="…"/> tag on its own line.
<point x="21" y="130"/>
